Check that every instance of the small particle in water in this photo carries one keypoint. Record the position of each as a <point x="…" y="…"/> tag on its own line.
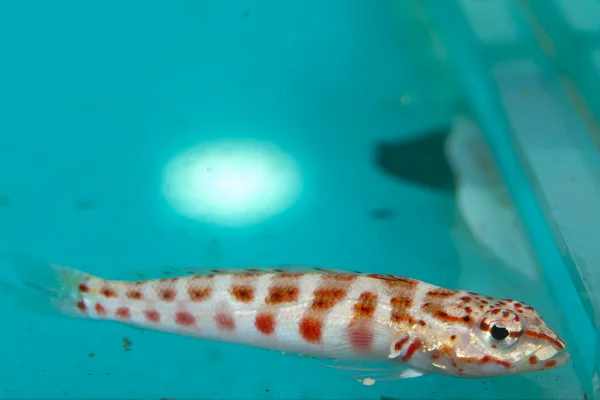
<point x="267" y="390"/>
<point x="89" y="374"/>
<point x="5" y="201"/>
<point x="91" y="354"/>
<point x="247" y="13"/>
<point x="367" y="381"/>
<point x="382" y="213"/>
<point x="127" y="344"/>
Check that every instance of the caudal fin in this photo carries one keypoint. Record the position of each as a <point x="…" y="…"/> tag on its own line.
<point x="42" y="287"/>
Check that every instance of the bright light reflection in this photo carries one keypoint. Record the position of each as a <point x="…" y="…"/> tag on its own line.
<point x="232" y="182"/>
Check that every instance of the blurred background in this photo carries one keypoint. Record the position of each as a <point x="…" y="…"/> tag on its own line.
<point x="454" y="142"/>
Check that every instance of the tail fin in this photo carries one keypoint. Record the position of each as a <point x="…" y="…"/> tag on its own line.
<point x="43" y="287"/>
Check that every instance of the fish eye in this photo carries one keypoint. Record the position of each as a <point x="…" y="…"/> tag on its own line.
<point x="500" y="328"/>
<point x="499" y="332"/>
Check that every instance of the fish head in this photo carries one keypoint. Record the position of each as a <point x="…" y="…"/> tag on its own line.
<point x="501" y="337"/>
<point x="507" y="339"/>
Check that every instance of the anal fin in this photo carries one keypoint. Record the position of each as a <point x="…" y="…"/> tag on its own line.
<point x="368" y="372"/>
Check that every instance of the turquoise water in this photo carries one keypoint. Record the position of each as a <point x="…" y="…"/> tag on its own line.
<point x="98" y="98"/>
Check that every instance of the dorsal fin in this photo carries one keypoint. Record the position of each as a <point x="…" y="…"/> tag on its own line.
<point x="172" y="272"/>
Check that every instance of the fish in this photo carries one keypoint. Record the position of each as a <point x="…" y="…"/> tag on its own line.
<point x="399" y="326"/>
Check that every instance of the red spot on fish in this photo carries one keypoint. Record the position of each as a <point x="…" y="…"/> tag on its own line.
<point x="453" y="337"/>
<point x="184" y="318"/>
<point x="81" y="305"/>
<point x="291" y="275"/>
<point x="108" y="292"/>
<point x="494" y="346"/>
<point x="484" y="326"/>
<point x="533" y="360"/>
<point x="422" y="323"/>
<point x="225" y="322"/>
<point x="486" y="360"/>
<point x="167" y="294"/>
<point x="495" y="312"/>
<point x="414" y="346"/>
<point x="466" y="299"/>
<point x="543" y="336"/>
<point x="100" y="310"/>
<point x="282" y="294"/>
<point x="506" y="314"/>
<point x="265" y="323"/>
<point x="517" y="319"/>
<point x="83" y="288"/>
<point x="518" y="305"/>
<point x="484" y="302"/>
<point x="311" y="329"/>
<point x="342" y="277"/>
<point x="134" y="294"/>
<point x="468" y="310"/>
<point x="400" y="344"/>
<point x="152" y="315"/>
<point x="436" y="311"/>
<point x="123" y="313"/>
<point x="435" y="356"/>
<point x="327" y="298"/>
<point x="243" y="293"/>
<point x="401" y="316"/>
<point x="529" y="308"/>
<point x="442" y="293"/>
<point x="365" y="306"/>
<point x="199" y="293"/>
<point x="550" y="364"/>
<point x="401" y="302"/>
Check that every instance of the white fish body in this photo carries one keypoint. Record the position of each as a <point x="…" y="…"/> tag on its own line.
<point x="411" y="327"/>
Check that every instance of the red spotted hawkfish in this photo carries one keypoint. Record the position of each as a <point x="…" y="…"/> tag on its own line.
<point x="406" y="327"/>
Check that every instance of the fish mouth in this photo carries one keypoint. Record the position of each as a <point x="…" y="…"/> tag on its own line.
<point x="547" y="357"/>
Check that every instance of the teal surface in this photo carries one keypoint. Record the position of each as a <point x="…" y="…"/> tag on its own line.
<point x="97" y="97"/>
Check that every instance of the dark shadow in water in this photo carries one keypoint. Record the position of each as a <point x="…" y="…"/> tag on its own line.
<point x="421" y="160"/>
<point x="382" y="214"/>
